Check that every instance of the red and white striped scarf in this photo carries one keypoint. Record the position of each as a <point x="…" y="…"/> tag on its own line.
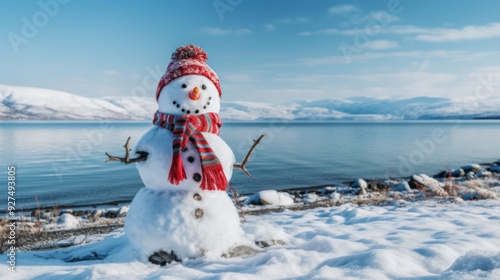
<point x="189" y="127"/>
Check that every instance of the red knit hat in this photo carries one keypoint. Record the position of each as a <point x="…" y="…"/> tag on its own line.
<point x="188" y="60"/>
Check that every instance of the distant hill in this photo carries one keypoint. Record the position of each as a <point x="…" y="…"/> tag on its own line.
<point x="25" y="103"/>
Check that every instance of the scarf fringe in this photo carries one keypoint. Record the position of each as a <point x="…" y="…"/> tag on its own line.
<point x="214" y="179"/>
<point x="177" y="173"/>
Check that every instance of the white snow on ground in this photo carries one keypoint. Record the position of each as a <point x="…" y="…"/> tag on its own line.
<point x="415" y="240"/>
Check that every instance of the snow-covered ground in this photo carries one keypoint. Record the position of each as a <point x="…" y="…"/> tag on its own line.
<point x="412" y="240"/>
<point x="35" y="103"/>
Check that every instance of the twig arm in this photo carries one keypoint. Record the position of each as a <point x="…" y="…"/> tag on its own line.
<point x="127" y="160"/>
<point x="241" y="166"/>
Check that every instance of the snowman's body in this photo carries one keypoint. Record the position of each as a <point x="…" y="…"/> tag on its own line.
<point x="166" y="216"/>
<point x="162" y="216"/>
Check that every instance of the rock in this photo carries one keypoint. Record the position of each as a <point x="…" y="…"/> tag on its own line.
<point x="495" y="168"/>
<point x="471" y="167"/>
<point x="111" y="213"/>
<point x="310" y="198"/>
<point x="81" y="213"/>
<point x="455" y="173"/>
<point x="441" y="174"/>
<point x="334" y="196"/>
<point x="360" y="183"/>
<point x="470" y="196"/>
<point x="46" y="215"/>
<point x="68" y="221"/>
<point x="423" y="180"/>
<point x="97" y="213"/>
<point x="401" y="187"/>
<point x="471" y="175"/>
<point x="162" y="258"/>
<point x="123" y="211"/>
<point x="36" y="214"/>
<point x="327" y="190"/>
<point x="360" y="186"/>
<point x="240" y="251"/>
<point x="484" y="173"/>
<point x="270" y="197"/>
<point x="66" y="211"/>
<point x="269" y="243"/>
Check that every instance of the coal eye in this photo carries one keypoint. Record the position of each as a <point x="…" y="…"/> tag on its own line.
<point x="203" y="87"/>
<point x="184" y="85"/>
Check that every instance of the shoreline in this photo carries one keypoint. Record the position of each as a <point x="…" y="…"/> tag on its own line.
<point x="115" y="203"/>
<point x="52" y="227"/>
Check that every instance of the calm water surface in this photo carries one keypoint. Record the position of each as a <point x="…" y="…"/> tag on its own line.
<point x="63" y="162"/>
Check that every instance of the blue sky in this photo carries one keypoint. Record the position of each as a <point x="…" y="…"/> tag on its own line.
<point x="263" y="51"/>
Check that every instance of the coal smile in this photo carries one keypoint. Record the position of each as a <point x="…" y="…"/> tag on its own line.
<point x="184" y="110"/>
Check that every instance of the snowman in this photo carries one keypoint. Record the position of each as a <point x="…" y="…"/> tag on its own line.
<point x="184" y="211"/>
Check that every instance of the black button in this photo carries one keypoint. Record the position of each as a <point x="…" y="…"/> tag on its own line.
<point x="197" y="177"/>
<point x="174" y="102"/>
<point x="198" y="213"/>
<point x="190" y="159"/>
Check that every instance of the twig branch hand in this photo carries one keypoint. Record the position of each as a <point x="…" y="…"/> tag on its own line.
<point x="241" y="166"/>
<point x="142" y="155"/>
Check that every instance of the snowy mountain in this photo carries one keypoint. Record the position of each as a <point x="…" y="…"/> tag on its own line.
<point x="24" y="103"/>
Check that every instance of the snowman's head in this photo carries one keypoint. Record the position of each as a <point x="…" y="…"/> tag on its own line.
<point x="189" y="95"/>
<point x="189" y="86"/>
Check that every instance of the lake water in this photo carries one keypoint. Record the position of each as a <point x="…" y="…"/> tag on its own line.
<point x="63" y="162"/>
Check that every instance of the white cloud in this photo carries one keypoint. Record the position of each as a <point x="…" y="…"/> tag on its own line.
<point x="471" y="32"/>
<point x="330" y="31"/>
<point x="381" y="45"/>
<point x="382" y="16"/>
<point x="243" y="31"/>
<point x="111" y="73"/>
<point x="342" y="9"/>
<point x="289" y="20"/>
<point x="215" y="31"/>
<point x="270" y="27"/>
<point x="454" y="55"/>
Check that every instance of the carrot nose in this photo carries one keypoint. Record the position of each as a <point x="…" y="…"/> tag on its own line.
<point x="194" y="94"/>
